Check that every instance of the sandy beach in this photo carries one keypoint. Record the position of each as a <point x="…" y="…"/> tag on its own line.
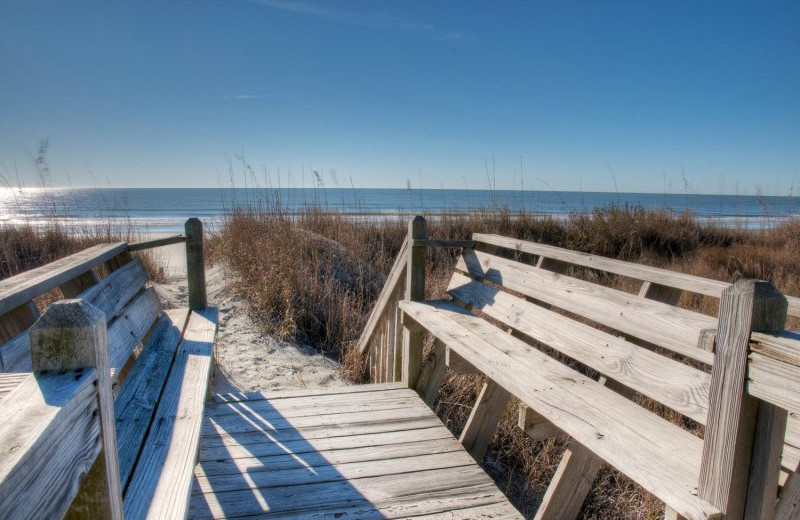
<point x="247" y="358"/>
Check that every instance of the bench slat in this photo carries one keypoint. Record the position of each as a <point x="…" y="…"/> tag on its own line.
<point x="114" y="291"/>
<point x="162" y="480"/>
<point x="675" y="329"/>
<point x="125" y="332"/>
<point x="660" y="456"/>
<point x="678" y="386"/>
<point x="139" y="394"/>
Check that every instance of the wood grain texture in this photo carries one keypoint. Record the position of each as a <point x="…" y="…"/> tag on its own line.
<point x="746" y="306"/>
<point x="24" y="287"/>
<point x="789" y="504"/>
<point x="138" y="397"/>
<point x="163" y="476"/>
<point x="765" y="468"/>
<point x="415" y="291"/>
<point x="537" y="427"/>
<point x="113" y="292"/>
<point x="126" y="331"/>
<point x="570" y="485"/>
<point x="664" y="277"/>
<point x="663" y="325"/>
<point x="433" y="374"/>
<point x="661" y="457"/>
<point x="8" y="382"/>
<point x="678" y="386"/>
<point x="484" y="418"/>
<point x="773" y="369"/>
<point x="49" y="438"/>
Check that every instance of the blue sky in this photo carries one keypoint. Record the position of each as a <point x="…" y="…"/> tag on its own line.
<point x="594" y="96"/>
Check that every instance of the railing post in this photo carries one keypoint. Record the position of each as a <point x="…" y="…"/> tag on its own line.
<point x="746" y="306"/>
<point x="415" y="291"/>
<point x="71" y="335"/>
<point x="195" y="266"/>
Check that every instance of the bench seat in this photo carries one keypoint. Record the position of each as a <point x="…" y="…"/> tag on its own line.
<point x="662" y="457"/>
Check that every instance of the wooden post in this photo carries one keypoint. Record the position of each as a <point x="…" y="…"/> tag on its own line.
<point x="484" y="418"/>
<point x="415" y="292"/>
<point x="71" y="335"/>
<point x="195" y="266"/>
<point x="571" y="483"/>
<point x="746" y="306"/>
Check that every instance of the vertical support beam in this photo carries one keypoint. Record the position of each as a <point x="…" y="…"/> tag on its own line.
<point x="483" y="420"/>
<point x="537" y="427"/>
<point x="415" y="292"/>
<point x="195" y="264"/>
<point x="789" y="504"/>
<point x="746" y="306"/>
<point x="433" y="374"/>
<point x="71" y="335"/>
<point x="571" y="483"/>
<point x="765" y="468"/>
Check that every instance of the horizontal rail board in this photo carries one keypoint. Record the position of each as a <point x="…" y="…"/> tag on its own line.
<point x="156" y="242"/>
<point x="773" y="369"/>
<point x="24" y="287"/>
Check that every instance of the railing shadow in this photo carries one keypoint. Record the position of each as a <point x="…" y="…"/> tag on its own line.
<point x="254" y="460"/>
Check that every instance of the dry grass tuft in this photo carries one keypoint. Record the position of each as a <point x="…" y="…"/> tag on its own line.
<point x="314" y="278"/>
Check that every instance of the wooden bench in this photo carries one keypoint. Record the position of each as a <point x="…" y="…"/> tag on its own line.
<point x="145" y="372"/>
<point x="595" y="363"/>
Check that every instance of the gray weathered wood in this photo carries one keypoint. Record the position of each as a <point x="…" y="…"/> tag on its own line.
<point x="156" y="242"/>
<point x="774" y="369"/>
<point x="664" y="277"/>
<point x="765" y="468"/>
<point x="16" y="321"/>
<point x="114" y="291"/>
<point x="662" y="457"/>
<point x="72" y="335"/>
<point x="415" y="291"/>
<point x="138" y="396"/>
<point x="789" y="504"/>
<point x="162" y="480"/>
<point x="433" y="374"/>
<point x="118" y="260"/>
<point x="746" y="306"/>
<point x="126" y="331"/>
<point x="537" y="427"/>
<point x="484" y="418"/>
<point x="24" y="287"/>
<point x="195" y="264"/>
<point x="570" y="485"/>
<point x="458" y="364"/>
<point x="9" y="382"/>
<point x="49" y="438"/>
<point x="663" y="325"/>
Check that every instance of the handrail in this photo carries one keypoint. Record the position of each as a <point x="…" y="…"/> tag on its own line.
<point x="157" y="242"/>
<point x="397" y="276"/>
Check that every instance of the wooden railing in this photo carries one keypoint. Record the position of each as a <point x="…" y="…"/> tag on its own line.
<point x="57" y="375"/>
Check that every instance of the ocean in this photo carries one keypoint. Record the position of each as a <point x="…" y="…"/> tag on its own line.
<point x="164" y="210"/>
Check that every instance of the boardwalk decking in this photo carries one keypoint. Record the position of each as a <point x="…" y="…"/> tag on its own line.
<point x="367" y="452"/>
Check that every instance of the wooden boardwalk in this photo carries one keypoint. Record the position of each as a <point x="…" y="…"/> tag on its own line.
<point x="367" y="452"/>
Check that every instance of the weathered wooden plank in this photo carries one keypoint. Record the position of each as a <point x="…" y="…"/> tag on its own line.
<point x="300" y="474"/>
<point x="745" y="306"/>
<point x="570" y="485"/>
<point x="664" y="277"/>
<point x="156" y="242"/>
<point x="162" y="479"/>
<point x="397" y="276"/>
<point x="663" y="325"/>
<point x="789" y="504"/>
<point x="415" y="291"/>
<point x="765" y="468"/>
<point x="433" y="374"/>
<point x="71" y="335"/>
<point x="125" y="332"/>
<point x="304" y="392"/>
<point x="232" y="424"/>
<point x="138" y="396"/>
<point x="343" y="493"/>
<point x="678" y="386"/>
<point x="660" y="456"/>
<point x="537" y="427"/>
<point x="49" y="438"/>
<point x="8" y="382"/>
<point x="226" y="446"/>
<point x="24" y="287"/>
<point x="311" y="458"/>
<point x="114" y="291"/>
<point x="484" y="418"/>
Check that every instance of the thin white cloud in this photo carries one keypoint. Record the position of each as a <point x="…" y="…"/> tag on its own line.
<point x="368" y="20"/>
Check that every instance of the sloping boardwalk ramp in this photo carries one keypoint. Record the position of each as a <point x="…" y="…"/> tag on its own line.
<point x="367" y="452"/>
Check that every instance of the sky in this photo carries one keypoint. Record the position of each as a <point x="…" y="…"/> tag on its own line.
<point x="650" y="96"/>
